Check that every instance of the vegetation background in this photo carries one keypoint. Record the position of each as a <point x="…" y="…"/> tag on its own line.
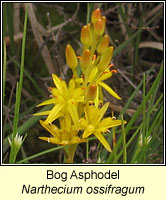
<point x="136" y="32"/>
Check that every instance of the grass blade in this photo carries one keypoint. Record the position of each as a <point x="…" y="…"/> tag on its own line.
<point x="4" y="70"/>
<point x="137" y="113"/>
<point x="9" y="13"/>
<point x="124" y="142"/>
<point x="40" y="154"/>
<point x="18" y="91"/>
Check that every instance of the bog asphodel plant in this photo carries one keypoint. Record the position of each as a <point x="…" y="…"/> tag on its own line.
<point x="77" y="105"/>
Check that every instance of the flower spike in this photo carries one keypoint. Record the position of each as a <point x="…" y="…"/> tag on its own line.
<point x="78" y="108"/>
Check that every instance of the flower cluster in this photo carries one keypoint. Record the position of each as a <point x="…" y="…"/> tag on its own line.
<point x="77" y="105"/>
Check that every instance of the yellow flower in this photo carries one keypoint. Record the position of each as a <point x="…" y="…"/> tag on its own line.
<point x="65" y="100"/>
<point x="61" y="136"/>
<point x="94" y="124"/>
<point x="105" y="59"/>
<point x="97" y="77"/>
<point x="107" y="74"/>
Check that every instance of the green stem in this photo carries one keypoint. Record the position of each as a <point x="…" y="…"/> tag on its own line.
<point x="75" y="73"/>
<point x="114" y="145"/>
<point x="144" y="112"/>
<point x="124" y="142"/>
<point x="69" y="152"/>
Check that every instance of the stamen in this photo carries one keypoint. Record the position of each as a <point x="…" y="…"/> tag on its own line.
<point x="51" y="96"/>
<point x="50" y="88"/>
<point x="114" y="71"/>
<point x="113" y="117"/>
<point x="94" y="57"/>
<point x="111" y="65"/>
<point x="79" y="57"/>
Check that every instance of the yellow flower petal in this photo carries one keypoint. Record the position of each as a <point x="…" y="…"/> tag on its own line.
<point x="82" y="140"/>
<point x="47" y="102"/>
<point x="96" y="101"/>
<point x="54" y="91"/>
<point x="101" y="94"/>
<point x="50" y="140"/>
<point x="77" y="94"/>
<point x="105" y="59"/>
<point x="79" y="80"/>
<point x="73" y="113"/>
<point x="106" y="74"/>
<point x="54" y="130"/>
<point x="76" y="140"/>
<point x="64" y="86"/>
<point x="109" y="122"/>
<point x="93" y="74"/>
<point x="102" y="139"/>
<point x="111" y="91"/>
<point x="68" y="123"/>
<point x="79" y="99"/>
<point x="83" y="123"/>
<point x="72" y="85"/>
<point x="54" y="113"/>
<point x="65" y="122"/>
<point x="102" y="112"/>
<point x="73" y="131"/>
<point x="57" y="83"/>
<point x="65" y="138"/>
<point x="88" y="131"/>
<point x="91" y="114"/>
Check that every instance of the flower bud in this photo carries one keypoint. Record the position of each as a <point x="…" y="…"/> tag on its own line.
<point x="71" y="58"/>
<point x="103" y="18"/>
<point x="99" y="26"/>
<point x="103" y="45"/>
<point x="86" y="58"/>
<point x="86" y="37"/>
<point x="106" y="58"/>
<point x="91" y="92"/>
<point x="96" y="15"/>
